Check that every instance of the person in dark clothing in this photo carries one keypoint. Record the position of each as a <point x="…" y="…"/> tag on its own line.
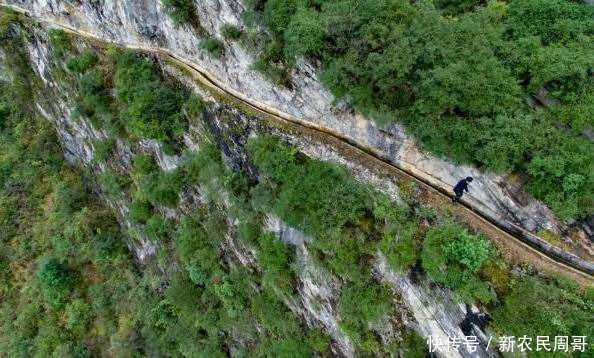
<point x="460" y="188"/>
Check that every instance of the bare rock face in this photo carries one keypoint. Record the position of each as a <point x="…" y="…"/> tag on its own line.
<point x="436" y="313"/>
<point x="144" y="24"/>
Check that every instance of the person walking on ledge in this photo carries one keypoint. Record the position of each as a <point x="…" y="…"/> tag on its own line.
<point x="460" y="188"/>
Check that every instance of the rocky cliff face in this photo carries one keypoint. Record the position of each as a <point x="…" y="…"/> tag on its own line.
<point x="433" y="313"/>
<point x="145" y="24"/>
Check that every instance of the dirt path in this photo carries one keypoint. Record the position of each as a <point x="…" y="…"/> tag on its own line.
<point x="517" y="244"/>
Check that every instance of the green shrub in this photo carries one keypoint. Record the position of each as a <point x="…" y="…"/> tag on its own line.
<point x="56" y="280"/>
<point x="400" y="247"/>
<point x="316" y="197"/>
<point x="274" y="258"/>
<point x="205" y="168"/>
<point x="305" y="35"/>
<point x="180" y="11"/>
<point x="563" y="175"/>
<point x="198" y="254"/>
<point x="60" y="43"/>
<point x="534" y="308"/>
<point x="273" y="65"/>
<point x="144" y="164"/>
<point x="455" y="7"/>
<point x="277" y="14"/>
<point x="414" y="346"/>
<point x="79" y="316"/>
<point x="195" y="106"/>
<point x="289" y="347"/>
<point x="552" y="20"/>
<point x="104" y="149"/>
<point x="183" y="295"/>
<point x="163" y="188"/>
<point x="361" y="305"/>
<point x="140" y="210"/>
<point x="158" y="228"/>
<point x="452" y="256"/>
<point x="112" y="183"/>
<point x="213" y="46"/>
<point x="231" y="32"/>
<point x="83" y="62"/>
<point x="93" y="101"/>
<point x="53" y="274"/>
<point x="151" y="106"/>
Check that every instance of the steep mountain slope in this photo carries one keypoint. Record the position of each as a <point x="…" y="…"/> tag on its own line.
<point x="260" y="246"/>
<point x="147" y="25"/>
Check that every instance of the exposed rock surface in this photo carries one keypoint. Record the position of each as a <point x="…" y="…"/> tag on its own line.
<point x="145" y="24"/>
<point x="438" y="316"/>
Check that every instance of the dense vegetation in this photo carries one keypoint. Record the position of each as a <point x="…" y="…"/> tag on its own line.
<point x="64" y="269"/>
<point x="231" y="32"/>
<point x="125" y="94"/>
<point x="350" y="222"/>
<point x="69" y="287"/>
<point x="462" y="76"/>
<point x="535" y="308"/>
<point x="181" y="11"/>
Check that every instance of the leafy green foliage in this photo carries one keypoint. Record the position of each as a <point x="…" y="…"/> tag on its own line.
<point x="272" y="64"/>
<point x="60" y="42"/>
<point x="140" y="210"/>
<point x="315" y="197"/>
<point x="145" y="105"/>
<point x="452" y="256"/>
<point x="568" y="167"/>
<point x="79" y="316"/>
<point x="213" y="46"/>
<point x="551" y="20"/>
<point x="112" y="183"/>
<point x="275" y="258"/>
<point x="55" y="279"/>
<point x="414" y="346"/>
<point x="360" y="306"/>
<point x="400" y="233"/>
<point x="95" y="102"/>
<point x="305" y="35"/>
<point x="163" y="188"/>
<point x="180" y="11"/>
<point x="231" y="32"/>
<point x="277" y="14"/>
<point x="456" y="7"/>
<point x="534" y="308"/>
<point x="82" y="63"/>
<point x="104" y="150"/>
<point x="150" y="106"/>
<point x="154" y="186"/>
<point x="457" y="73"/>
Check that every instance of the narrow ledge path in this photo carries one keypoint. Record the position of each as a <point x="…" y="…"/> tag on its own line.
<point x="516" y="243"/>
